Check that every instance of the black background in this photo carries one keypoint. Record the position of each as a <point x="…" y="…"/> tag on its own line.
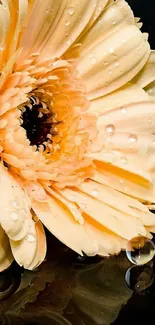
<point x="146" y="10"/>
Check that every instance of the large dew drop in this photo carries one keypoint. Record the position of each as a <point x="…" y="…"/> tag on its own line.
<point x="140" y="250"/>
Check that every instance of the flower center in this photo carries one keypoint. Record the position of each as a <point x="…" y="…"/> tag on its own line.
<point x="35" y="122"/>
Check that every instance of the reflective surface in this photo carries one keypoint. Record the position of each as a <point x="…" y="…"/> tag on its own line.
<point x="140" y="250"/>
<point x="70" y="290"/>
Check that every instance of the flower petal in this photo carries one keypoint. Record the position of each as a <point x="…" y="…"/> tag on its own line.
<point x="59" y="221"/>
<point x="121" y="224"/>
<point x="118" y="99"/>
<point x="118" y="201"/>
<point x="124" y="182"/>
<point x="15" y="209"/>
<point x="24" y="250"/>
<point x="138" y="117"/>
<point x="6" y="257"/>
<point x="41" y="246"/>
<point x="113" y="18"/>
<point x="113" y="62"/>
<point x="52" y="17"/>
<point x="109" y="243"/>
<point x="31" y="250"/>
<point x="147" y="74"/>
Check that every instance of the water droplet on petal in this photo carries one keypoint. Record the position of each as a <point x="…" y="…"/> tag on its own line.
<point x="114" y="22"/>
<point x="132" y="138"/>
<point x="95" y="193"/>
<point x="117" y="64"/>
<point x="69" y="41"/>
<point x="111" y="50"/>
<point x="67" y="23"/>
<point x="15" y="204"/>
<point x="123" y="111"/>
<point x="121" y="181"/>
<point x="124" y="160"/>
<point x="150" y="120"/>
<point x="140" y="250"/>
<point x="14" y="216"/>
<point x="31" y="238"/>
<point x="71" y="10"/>
<point x="110" y="129"/>
<point x="94" y="60"/>
<point x="139" y="278"/>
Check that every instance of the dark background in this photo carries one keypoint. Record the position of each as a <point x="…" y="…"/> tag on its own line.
<point x="146" y="10"/>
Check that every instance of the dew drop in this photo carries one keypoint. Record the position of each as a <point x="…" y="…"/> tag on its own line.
<point x="94" y="60"/>
<point x="114" y="22"/>
<point x="117" y="64"/>
<point x="110" y="129"/>
<point x="132" y="138"/>
<point x="15" y="204"/>
<point x="14" y="216"/>
<point x="124" y="160"/>
<point x="121" y="181"/>
<point x="67" y="23"/>
<point x="30" y="238"/>
<point x="71" y="11"/>
<point x="95" y="193"/>
<point x="139" y="278"/>
<point x="123" y="111"/>
<point x="111" y="50"/>
<point x="150" y="120"/>
<point x="69" y="42"/>
<point x="140" y="250"/>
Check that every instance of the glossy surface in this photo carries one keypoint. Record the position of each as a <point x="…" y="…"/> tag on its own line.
<point x="140" y="250"/>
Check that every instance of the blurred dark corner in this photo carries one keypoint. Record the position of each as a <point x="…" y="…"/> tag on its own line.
<point x="145" y="9"/>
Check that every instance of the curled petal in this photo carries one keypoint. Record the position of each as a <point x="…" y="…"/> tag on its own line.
<point x="41" y="246"/>
<point x="24" y="250"/>
<point x="114" y="17"/>
<point x="147" y="74"/>
<point x="6" y="257"/>
<point x="15" y="209"/>
<point x="113" y="62"/>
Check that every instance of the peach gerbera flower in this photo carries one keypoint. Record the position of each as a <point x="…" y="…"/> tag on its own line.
<point x="76" y="138"/>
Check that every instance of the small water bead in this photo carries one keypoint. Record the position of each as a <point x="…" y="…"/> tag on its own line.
<point x="67" y="23"/>
<point x="95" y="193"/>
<point x="117" y="64"/>
<point x="110" y="129"/>
<point x="123" y="111"/>
<point x="140" y="250"/>
<point x="14" y="216"/>
<point x="69" y="41"/>
<point x="111" y="50"/>
<point x="15" y="204"/>
<point x="150" y="120"/>
<point x="71" y="11"/>
<point x="31" y="238"/>
<point x="94" y="60"/>
<point x="139" y="278"/>
<point x="133" y="138"/>
<point x="124" y="160"/>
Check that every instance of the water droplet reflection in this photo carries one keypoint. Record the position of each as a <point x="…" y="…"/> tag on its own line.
<point x="140" y="250"/>
<point x="139" y="278"/>
<point x="110" y="129"/>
